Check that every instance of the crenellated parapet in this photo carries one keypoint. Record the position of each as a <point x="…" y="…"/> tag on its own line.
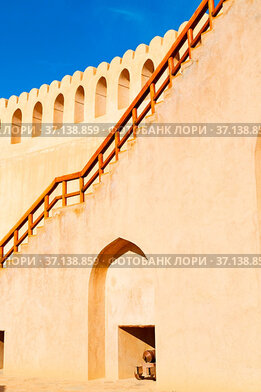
<point x="96" y="95"/>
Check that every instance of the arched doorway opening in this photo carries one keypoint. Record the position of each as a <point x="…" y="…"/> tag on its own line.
<point x="96" y="303"/>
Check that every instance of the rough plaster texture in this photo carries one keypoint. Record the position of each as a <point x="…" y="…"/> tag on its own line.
<point x="175" y="195"/>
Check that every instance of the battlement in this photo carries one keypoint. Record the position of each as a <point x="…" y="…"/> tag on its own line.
<point x="96" y="95"/>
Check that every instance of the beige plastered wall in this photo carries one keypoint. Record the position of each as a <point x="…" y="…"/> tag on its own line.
<point x="166" y="195"/>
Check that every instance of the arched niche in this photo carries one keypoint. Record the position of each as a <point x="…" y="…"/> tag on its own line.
<point x="16" y="127"/>
<point x="96" y="303"/>
<point x="58" y="111"/>
<point x="147" y="71"/>
<point x="124" y="89"/>
<point x="37" y="119"/>
<point x="101" y="97"/>
<point x="79" y="105"/>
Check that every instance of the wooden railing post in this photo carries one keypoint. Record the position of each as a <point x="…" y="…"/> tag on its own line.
<point x="15" y="240"/>
<point x="134" y="119"/>
<point x="1" y="256"/>
<point x="190" y="40"/>
<point x="81" y="184"/>
<point x="152" y="95"/>
<point x="64" y="192"/>
<point x="171" y="70"/>
<point x="100" y="160"/>
<point x="46" y="206"/>
<point x="30" y="224"/>
<point x="211" y="7"/>
<point x="117" y="141"/>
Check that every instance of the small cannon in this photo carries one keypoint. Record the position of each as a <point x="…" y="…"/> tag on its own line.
<point x="148" y="369"/>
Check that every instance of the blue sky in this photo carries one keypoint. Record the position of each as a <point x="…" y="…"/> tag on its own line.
<point x="44" y="40"/>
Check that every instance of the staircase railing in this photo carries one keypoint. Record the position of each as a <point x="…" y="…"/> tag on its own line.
<point x="96" y="165"/>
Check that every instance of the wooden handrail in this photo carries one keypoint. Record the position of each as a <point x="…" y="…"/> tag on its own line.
<point x="131" y="114"/>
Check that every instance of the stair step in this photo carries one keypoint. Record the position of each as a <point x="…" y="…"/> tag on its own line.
<point x="90" y="194"/>
<point x="197" y="46"/>
<point x="151" y="118"/>
<point x="96" y="186"/>
<point x="112" y="166"/>
<point x="186" y="64"/>
<point x="168" y="91"/>
<point x="204" y="36"/>
<point x="131" y="143"/>
<point x="226" y="6"/>
<point x="194" y="50"/>
<point x="121" y="152"/>
<point x="159" y="102"/>
<point x="24" y="248"/>
<point x="221" y="12"/>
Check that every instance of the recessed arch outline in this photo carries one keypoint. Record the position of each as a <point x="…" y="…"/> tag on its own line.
<point x="101" y="97"/>
<point x="96" y="303"/>
<point x="37" y="119"/>
<point x="124" y="89"/>
<point x="147" y="70"/>
<point x="79" y="105"/>
<point x="58" y="111"/>
<point x="16" y="127"/>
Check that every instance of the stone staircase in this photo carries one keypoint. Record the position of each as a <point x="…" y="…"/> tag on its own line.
<point x="176" y="66"/>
